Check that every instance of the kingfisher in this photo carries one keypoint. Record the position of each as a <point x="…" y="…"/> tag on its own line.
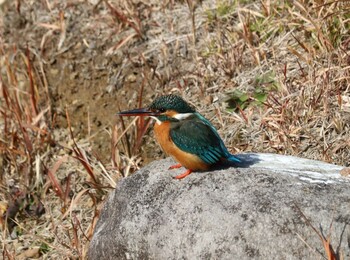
<point x="184" y="134"/>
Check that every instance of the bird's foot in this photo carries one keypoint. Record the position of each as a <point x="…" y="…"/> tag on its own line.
<point x="176" y="166"/>
<point x="181" y="176"/>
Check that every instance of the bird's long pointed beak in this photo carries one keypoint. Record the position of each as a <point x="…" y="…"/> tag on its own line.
<point x="138" y="112"/>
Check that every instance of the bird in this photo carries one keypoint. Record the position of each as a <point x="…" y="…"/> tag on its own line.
<point x="184" y="134"/>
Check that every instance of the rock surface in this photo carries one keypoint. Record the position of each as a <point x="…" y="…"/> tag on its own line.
<point x="257" y="211"/>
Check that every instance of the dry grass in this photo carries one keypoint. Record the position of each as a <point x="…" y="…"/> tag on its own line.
<point x="283" y="69"/>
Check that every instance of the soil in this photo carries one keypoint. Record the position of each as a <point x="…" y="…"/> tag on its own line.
<point x="91" y="85"/>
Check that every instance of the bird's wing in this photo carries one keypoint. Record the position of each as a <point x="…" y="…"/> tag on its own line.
<point x="197" y="137"/>
<point x="224" y="150"/>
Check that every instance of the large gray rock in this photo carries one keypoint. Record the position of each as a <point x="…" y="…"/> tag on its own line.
<point x="253" y="212"/>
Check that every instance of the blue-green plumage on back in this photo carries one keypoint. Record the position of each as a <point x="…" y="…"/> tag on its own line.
<point x="197" y="135"/>
<point x="224" y="150"/>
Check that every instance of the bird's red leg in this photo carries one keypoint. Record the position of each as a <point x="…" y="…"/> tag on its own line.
<point x="176" y="166"/>
<point x="181" y="176"/>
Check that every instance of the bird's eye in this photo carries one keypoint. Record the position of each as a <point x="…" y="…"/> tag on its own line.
<point x="162" y="110"/>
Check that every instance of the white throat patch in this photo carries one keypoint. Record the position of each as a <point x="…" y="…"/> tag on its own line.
<point x="157" y="120"/>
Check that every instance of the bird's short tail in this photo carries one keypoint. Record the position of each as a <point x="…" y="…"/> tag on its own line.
<point x="233" y="158"/>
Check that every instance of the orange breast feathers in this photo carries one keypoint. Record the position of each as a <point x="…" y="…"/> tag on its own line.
<point x="188" y="160"/>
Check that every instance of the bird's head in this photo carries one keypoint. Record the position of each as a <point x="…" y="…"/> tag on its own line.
<point x="164" y="108"/>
